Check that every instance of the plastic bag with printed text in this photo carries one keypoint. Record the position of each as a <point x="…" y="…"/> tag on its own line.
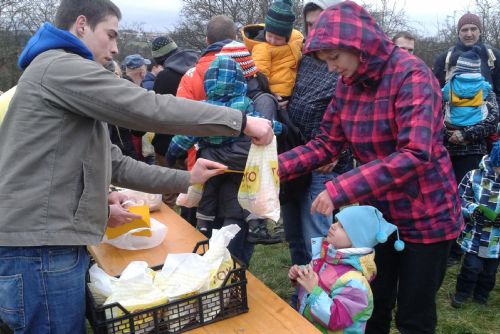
<point x="260" y="186"/>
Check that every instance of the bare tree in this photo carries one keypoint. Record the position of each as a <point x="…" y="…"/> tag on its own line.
<point x="390" y="15"/>
<point x="196" y="13"/>
<point x="489" y="12"/>
<point x="19" y="19"/>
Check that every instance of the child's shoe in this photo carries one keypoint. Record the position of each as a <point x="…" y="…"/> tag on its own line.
<point x="258" y="233"/>
<point x="204" y="226"/>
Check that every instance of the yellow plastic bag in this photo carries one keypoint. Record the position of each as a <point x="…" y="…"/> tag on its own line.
<point x="260" y="186"/>
<point x="5" y="101"/>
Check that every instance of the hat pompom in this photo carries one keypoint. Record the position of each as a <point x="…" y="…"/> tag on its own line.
<point x="381" y="237"/>
<point x="399" y="245"/>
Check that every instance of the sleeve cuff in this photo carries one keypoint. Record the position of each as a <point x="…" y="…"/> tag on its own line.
<point x="243" y="122"/>
<point x="314" y="295"/>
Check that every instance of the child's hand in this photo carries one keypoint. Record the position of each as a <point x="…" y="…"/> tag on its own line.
<point x="293" y="273"/>
<point x="307" y="278"/>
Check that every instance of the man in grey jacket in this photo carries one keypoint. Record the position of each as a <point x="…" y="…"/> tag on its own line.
<point x="57" y="162"/>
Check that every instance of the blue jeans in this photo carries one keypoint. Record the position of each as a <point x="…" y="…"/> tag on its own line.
<point x="300" y="225"/>
<point x="477" y="277"/>
<point x="239" y="247"/>
<point x="42" y="289"/>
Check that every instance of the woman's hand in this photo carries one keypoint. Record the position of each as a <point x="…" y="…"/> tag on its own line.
<point x="327" y="168"/>
<point x="323" y="204"/>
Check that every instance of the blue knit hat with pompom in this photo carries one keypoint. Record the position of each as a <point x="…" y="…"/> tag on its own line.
<point x="366" y="226"/>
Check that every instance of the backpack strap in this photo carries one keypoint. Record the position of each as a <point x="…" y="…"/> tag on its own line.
<point x="447" y="64"/>
<point x="491" y="57"/>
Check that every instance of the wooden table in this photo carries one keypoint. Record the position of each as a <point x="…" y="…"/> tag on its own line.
<point x="268" y="313"/>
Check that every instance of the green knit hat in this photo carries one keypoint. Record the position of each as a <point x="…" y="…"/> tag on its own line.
<point x="279" y="19"/>
<point x="162" y="46"/>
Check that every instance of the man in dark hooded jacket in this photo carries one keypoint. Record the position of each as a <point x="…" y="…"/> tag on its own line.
<point x="176" y="62"/>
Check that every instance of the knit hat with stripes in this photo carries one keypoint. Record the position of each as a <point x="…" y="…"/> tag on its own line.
<point x="162" y="46"/>
<point x="469" y="62"/>
<point x="239" y="52"/>
<point x="279" y="19"/>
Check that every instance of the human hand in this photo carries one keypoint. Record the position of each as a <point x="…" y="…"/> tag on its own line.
<point x="282" y="104"/>
<point x="259" y="129"/>
<point x="204" y="169"/>
<point x="322" y="204"/>
<point x="293" y="273"/>
<point x="307" y="278"/>
<point x="456" y="137"/>
<point x="119" y="215"/>
<point x="116" y="197"/>
<point x="327" y="168"/>
<point x="477" y="215"/>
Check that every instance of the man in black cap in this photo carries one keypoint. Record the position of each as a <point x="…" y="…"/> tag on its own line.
<point x="175" y="62"/>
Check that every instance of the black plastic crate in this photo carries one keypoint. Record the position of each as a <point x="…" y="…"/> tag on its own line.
<point x="176" y="316"/>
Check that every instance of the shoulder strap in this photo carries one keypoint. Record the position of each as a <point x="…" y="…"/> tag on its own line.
<point x="491" y="57"/>
<point x="447" y="63"/>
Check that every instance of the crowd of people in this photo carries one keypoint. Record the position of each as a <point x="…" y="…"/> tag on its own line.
<point x="390" y="170"/>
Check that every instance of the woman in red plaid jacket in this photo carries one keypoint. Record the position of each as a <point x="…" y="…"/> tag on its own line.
<point x="387" y="108"/>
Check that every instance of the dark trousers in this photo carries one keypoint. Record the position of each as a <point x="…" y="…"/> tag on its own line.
<point x="477" y="277"/>
<point x="461" y="165"/>
<point x="411" y="279"/>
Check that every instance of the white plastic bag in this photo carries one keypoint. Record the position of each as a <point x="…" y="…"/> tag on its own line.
<point x="152" y="200"/>
<point x="134" y="242"/>
<point x="220" y="263"/>
<point x="260" y="186"/>
<point x="192" y="198"/>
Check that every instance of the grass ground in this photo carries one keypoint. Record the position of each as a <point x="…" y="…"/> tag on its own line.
<point x="271" y="263"/>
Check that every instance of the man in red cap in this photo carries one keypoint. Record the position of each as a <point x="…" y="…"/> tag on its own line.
<point x="468" y="145"/>
<point x="469" y="28"/>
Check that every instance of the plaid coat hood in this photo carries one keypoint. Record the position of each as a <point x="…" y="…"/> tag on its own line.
<point x="348" y="26"/>
<point x="389" y="114"/>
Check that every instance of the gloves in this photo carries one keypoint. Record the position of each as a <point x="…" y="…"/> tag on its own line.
<point x="477" y="215"/>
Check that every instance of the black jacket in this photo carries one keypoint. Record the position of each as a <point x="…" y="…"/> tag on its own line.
<point x="167" y="82"/>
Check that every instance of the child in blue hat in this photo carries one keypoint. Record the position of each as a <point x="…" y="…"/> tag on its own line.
<point x="480" y="238"/>
<point x="343" y="266"/>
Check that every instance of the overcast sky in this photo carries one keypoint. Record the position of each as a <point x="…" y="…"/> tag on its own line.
<point x="160" y="15"/>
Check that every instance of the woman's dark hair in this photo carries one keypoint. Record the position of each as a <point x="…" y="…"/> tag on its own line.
<point x="311" y="7"/>
<point x="94" y="10"/>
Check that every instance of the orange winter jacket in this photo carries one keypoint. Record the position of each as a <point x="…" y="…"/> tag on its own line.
<point x="191" y="85"/>
<point x="278" y="63"/>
